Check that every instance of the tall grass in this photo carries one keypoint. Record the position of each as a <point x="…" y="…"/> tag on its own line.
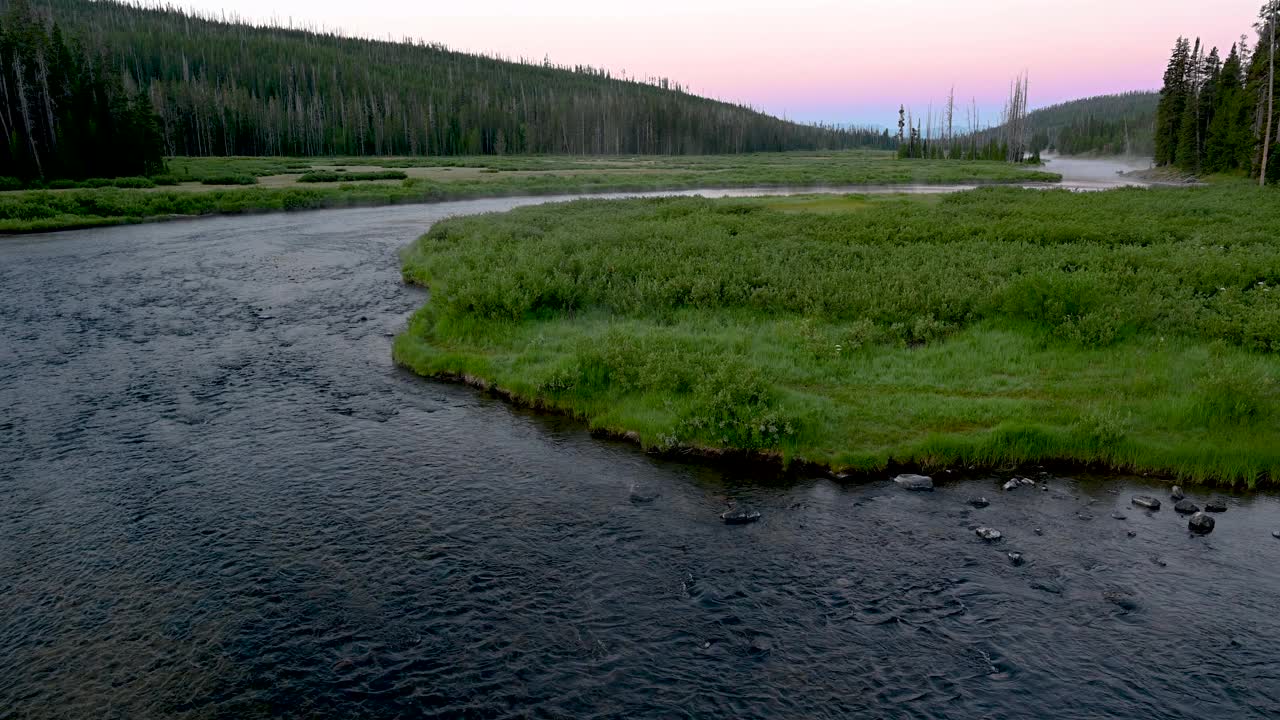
<point x="1136" y="328"/>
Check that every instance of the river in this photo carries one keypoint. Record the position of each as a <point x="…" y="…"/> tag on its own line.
<point x="222" y="500"/>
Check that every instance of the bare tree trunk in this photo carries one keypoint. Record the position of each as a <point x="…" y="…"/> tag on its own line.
<point x="25" y="113"/>
<point x="1271" y="100"/>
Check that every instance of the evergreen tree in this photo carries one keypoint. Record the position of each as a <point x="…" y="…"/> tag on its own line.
<point x="1172" y="106"/>
<point x="1229" y="138"/>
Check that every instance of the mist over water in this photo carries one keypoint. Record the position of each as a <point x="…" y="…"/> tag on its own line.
<point x="222" y="500"/>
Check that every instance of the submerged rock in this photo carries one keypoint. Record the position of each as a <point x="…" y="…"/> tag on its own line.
<point x="1131" y="533"/>
<point x="1186" y="507"/>
<point x="988" y="534"/>
<point x="1200" y="524"/>
<point x="644" y="495"/>
<point x="1176" y="493"/>
<point x="1119" y="516"/>
<point x="1215" y="506"/>
<point x="761" y="644"/>
<point x="1046" y="586"/>
<point x="1146" y="501"/>
<point x="1123" y="600"/>
<point x="915" y="482"/>
<point x="1016" y="558"/>
<point x="979" y="502"/>
<point x="739" y="516"/>
<point x="1038" y="531"/>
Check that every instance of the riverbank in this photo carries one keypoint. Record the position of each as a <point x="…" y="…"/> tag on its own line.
<point x="277" y="185"/>
<point x="1134" y="329"/>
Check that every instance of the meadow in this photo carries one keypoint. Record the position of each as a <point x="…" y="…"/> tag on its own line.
<point x="204" y="186"/>
<point x="1137" y="329"/>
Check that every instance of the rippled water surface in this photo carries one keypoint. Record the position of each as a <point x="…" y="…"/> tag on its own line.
<point x="221" y="500"/>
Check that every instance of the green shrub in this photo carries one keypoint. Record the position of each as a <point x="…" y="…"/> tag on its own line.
<point x="341" y="176"/>
<point x="234" y="179"/>
<point x="166" y="179"/>
<point x="10" y="183"/>
<point x="133" y="182"/>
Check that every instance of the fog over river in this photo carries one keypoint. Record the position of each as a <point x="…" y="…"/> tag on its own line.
<point x="222" y="500"/>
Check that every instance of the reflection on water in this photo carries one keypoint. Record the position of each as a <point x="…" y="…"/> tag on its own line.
<point x="222" y="500"/>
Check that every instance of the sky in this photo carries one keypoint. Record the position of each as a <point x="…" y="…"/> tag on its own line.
<point x="849" y="62"/>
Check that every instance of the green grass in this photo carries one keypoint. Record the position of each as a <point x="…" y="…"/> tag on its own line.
<point x="30" y="211"/>
<point x="1135" y="328"/>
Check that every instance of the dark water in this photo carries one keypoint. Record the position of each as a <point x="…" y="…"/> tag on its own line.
<point x="221" y="500"/>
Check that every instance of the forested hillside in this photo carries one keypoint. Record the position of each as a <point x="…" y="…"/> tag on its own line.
<point x="221" y="88"/>
<point x="1106" y="125"/>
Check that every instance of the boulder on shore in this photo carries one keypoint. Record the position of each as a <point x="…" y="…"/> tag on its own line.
<point x="1186" y="507"/>
<point x="914" y="482"/>
<point x="739" y="516"/>
<point x="1200" y="524"/>
<point x="1146" y="501"/>
<point x="988" y="534"/>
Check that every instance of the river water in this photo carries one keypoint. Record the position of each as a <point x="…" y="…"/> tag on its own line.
<point x="222" y="500"/>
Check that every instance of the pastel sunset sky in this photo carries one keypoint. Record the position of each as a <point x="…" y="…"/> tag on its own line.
<point x="811" y="60"/>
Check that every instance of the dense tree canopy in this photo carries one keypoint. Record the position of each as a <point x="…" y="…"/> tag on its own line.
<point x="231" y="88"/>
<point x="67" y="110"/>
<point x="1213" y="113"/>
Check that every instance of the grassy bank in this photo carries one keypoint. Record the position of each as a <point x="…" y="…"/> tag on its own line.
<point x="204" y="186"/>
<point x="1136" y="328"/>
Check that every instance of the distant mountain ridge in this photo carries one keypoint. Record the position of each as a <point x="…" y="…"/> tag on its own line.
<point x="229" y="88"/>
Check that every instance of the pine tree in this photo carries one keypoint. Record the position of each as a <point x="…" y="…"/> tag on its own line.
<point x="1173" y="100"/>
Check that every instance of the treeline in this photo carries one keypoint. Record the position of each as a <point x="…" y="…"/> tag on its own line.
<point x="1216" y="115"/>
<point x="68" y="111"/>
<point x="232" y="88"/>
<point x="1122" y="124"/>
<point x="939" y="136"/>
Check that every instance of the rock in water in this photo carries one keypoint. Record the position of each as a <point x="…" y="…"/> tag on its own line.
<point x="1215" y="506"/>
<point x="1146" y="501"/>
<point x="1200" y="524"/>
<point x="915" y="482"/>
<point x="1186" y="507"/>
<point x="1121" y="599"/>
<point x="988" y="534"/>
<point x="643" y="494"/>
<point x="1016" y="558"/>
<point x="739" y="516"/>
<point x="1176" y="493"/>
<point x="1275" y="534"/>
<point x="1018" y="482"/>
<point x="979" y="502"/>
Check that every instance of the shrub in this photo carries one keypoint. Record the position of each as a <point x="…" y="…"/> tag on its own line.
<point x="10" y="183"/>
<point x="325" y="176"/>
<point x="133" y="182"/>
<point x="230" y="179"/>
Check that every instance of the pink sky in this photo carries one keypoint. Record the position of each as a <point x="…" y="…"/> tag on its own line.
<point x="812" y="60"/>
